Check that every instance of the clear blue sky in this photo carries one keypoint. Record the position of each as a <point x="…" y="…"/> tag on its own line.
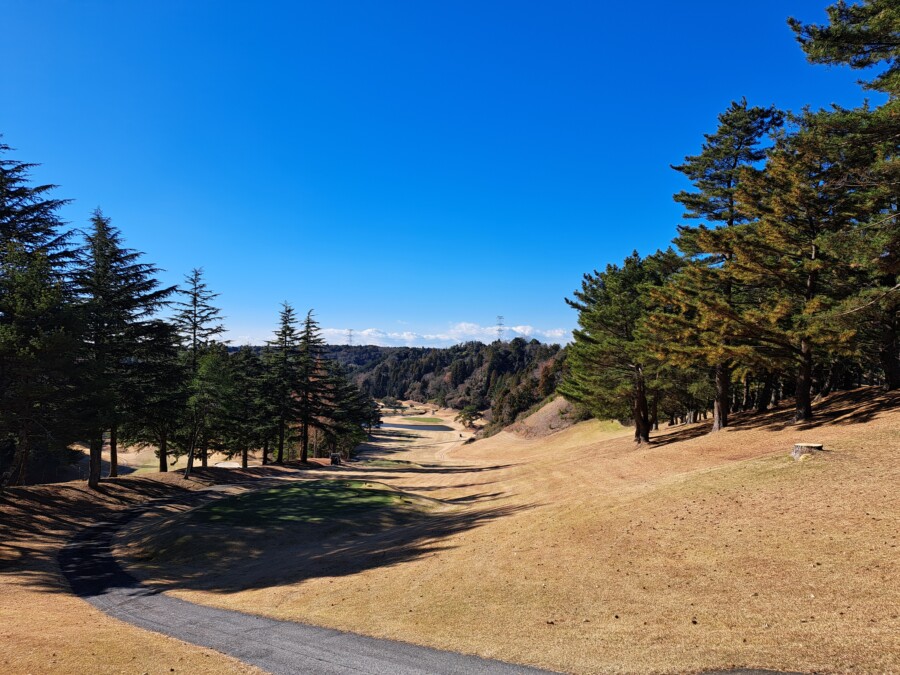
<point x="412" y="168"/>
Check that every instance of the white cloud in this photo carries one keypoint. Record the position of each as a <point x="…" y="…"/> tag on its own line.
<point x="462" y="331"/>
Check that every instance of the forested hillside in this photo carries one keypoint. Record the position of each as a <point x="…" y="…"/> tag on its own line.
<point x="506" y="377"/>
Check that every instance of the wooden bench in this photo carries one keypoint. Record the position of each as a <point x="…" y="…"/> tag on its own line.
<point x="801" y="449"/>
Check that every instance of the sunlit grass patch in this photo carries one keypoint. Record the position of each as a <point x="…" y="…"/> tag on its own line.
<point x="306" y="502"/>
<point x="390" y="464"/>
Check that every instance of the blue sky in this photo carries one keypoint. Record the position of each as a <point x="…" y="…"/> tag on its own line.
<point x="408" y="169"/>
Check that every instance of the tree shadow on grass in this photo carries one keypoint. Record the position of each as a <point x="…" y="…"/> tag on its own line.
<point x="856" y="406"/>
<point x="196" y="553"/>
<point x="382" y="542"/>
<point x="36" y="521"/>
<point x="676" y="435"/>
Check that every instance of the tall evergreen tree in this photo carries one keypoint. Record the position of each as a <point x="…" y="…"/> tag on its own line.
<point x="610" y="362"/>
<point x="158" y="396"/>
<point x="28" y="216"/>
<point x="120" y="295"/>
<point x="199" y="322"/>
<point x="705" y="284"/>
<point x="866" y="35"/>
<point x="792" y="253"/>
<point x="314" y="404"/>
<point x="267" y="403"/>
<point x="245" y="419"/>
<point x="40" y="374"/>
<point x="197" y="319"/>
<point x="207" y="407"/>
<point x="39" y="357"/>
<point x="282" y="377"/>
<point x="350" y="411"/>
<point x="860" y="35"/>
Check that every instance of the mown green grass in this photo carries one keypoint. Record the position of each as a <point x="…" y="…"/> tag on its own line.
<point x="426" y="420"/>
<point x="389" y="463"/>
<point x="307" y="502"/>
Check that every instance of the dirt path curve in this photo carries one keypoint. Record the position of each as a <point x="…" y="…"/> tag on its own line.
<point x="276" y="646"/>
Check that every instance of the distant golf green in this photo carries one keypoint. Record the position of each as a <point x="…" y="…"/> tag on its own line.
<point x="389" y="463"/>
<point x="426" y="420"/>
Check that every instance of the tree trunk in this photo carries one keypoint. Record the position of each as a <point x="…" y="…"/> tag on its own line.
<point x="804" y="383"/>
<point x="723" y="396"/>
<point x="19" y="465"/>
<point x="889" y="354"/>
<point x="641" y="416"/>
<point x="113" y="451"/>
<point x="764" y="396"/>
<point x="803" y="394"/>
<point x="304" y="442"/>
<point x="834" y="374"/>
<point x="163" y="453"/>
<point x="245" y="457"/>
<point x="280" y="458"/>
<point x="265" y="451"/>
<point x="204" y="455"/>
<point x="96" y="460"/>
<point x="777" y="392"/>
<point x="745" y="403"/>
<point x="190" y="459"/>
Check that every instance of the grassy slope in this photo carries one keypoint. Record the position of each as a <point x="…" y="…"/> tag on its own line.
<point x="587" y="554"/>
<point x="45" y="629"/>
<point x="227" y="533"/>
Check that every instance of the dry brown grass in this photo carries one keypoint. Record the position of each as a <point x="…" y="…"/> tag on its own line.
<point x="695" y="552"/>
<point x="553" y="417"/>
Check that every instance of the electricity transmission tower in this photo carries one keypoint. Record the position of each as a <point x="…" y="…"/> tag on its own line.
<point x="499" y="328"/>
<point x="349" y="337"/>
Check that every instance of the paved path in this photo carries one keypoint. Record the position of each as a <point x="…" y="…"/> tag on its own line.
<point x="275" y="646"/>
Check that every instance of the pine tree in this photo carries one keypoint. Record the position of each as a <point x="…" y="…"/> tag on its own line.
<point x="199" y="322"/>
<point x="282" y="377"/>
<point x="351" y="411"/>
<point x="700" y="337"/>
<point x="861" y="35"/>
<point x="158" y="397"/>
<point x="120" y="295"/>
<point x="207" y="407"/>
<point x="792" y="252"/>
<point x="28" y="217"/>
<point x="610" y="361"/>
<point x="864" y="36"/>
<point x="39" y="366"/>
<point x="197" y="319"/>
<point x="243" y="418"/>
<point x="314" y="403"/>
<point x="267" y="403"/>
<point x="39" y="346"/>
